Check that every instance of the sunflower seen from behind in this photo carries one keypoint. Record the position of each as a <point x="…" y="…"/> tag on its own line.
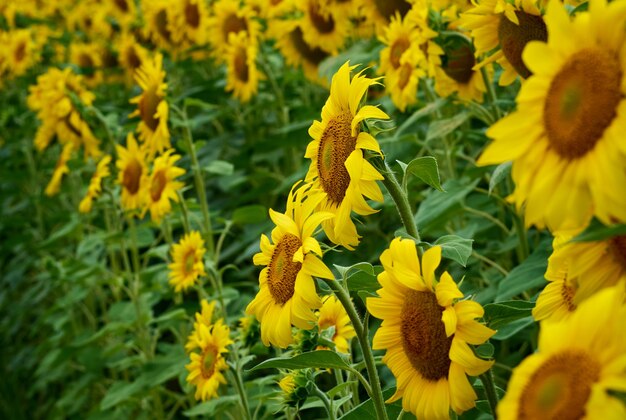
<point x="95" y="184"/>
<point x="338" y="166"/>
<point x="60" y="170"/>
<point x="161" y="186"/>
<point x="287" y="294"/>
<point x="569" y="164"/>
<point x="187" y="261"/>
<point x="426" y="331"/>
<point x="152" y="106"/>
<point x="132" y="173"/>
<point x="579" y="361"/>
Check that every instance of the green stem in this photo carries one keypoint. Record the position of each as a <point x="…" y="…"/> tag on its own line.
<point x="490" y="391"/>
<point x="241" y="388"/>
<point x="401" y="201"/>
<point x="326" y="401"/>
<point x="377" y="394"/>
<point x="491" y="92"/>
<point x="523" y="249"/>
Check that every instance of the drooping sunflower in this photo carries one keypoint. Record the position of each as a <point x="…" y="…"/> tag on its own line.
<point x="426" y="330"/>
<point x="286" y="287"/>
<point x="205" y="316"/>
<point x="161" y="186"/>
<point x="577" y="363"/>
<point x="576" y="271"/>
<point x="95" y="184"/>
<point x="334" y="318"/>
<point x="132" y="173"/>
<point x="402" y="61"/>
<point x="569" y="163"/>
<point x="207" y="365"/>
<point x="324" y="30"/>
<point x="297" y="52"/>
<point x="230" y="17"/>
<point x="503" y="29"/>
<point x="152" y="106"/>
<point x="187" y="261"/>
<point x="60" y="170"/>
<point x="243" y="75"/>
<point x="338" y="166"/>
<point x="458" y="73"/>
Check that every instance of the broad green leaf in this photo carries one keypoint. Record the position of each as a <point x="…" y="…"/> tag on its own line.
<point x="528" y="275"/>
<point x="501" y="172"/>
<point x="596" y="231"/>
<point x="366" y="409"/>
<point x="500" y="314"/>
<point x="346" y="386"/>
<point x="174" y="314"/>
<point x="364" y="280"/>
<point x="119" y="392"/>
<point x="212" y="407"/>
<point x="189" y="102"/>
<point x="426" y="169"/>
<point x="513" y="328"/>
<point x="438" y="206"/>
<point x="455" y="248"/>
<point x="323" y="359"/>
<point x="417" y="115"/>
<point x="441" y="128"/>
<point x="362" y="266"/>
<point x="250" y="214"/>
<point x="219" y="167"/>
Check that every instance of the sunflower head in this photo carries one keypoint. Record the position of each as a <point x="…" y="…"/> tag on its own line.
<point x="334" y="323"/>
<point x="95" y="184"/>
<point x="426" y="331"/>
<point x="132" y="173"/>
<point x="296" y="387"/>
<point x="187" y="261"/>
<point x="161" y="187"/>
<point x="243" y="76"/>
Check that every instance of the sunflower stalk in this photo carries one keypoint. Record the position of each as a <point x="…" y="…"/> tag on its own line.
<point x="490" y="391"/>
<point x="401" y="201"/>
<point x="376" y="393"/>
<point x="491" y="92"/>
<point x="328" y="403"/>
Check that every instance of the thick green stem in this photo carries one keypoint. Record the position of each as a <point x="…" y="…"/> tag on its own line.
<point x="376" y="393"/>
<point x="240" y="388"/>
<point x="326" y="401"/>
<point x="490" y="391"/>
<point x="491" y="92"/>
<point x="523" y="250"/>
<point x="401" y="201"/>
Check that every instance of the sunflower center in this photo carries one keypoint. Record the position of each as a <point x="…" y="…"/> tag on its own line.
<point x="424" y="335"/>
<point x="132" y="176"/>
<point x="241" y="65"/>
<point x="20" y="52"/>
<point x="387" y="8"/>
<point x="582" y="102"/>
<point x="148" y="108"/>
<point x="189" y="261"/>
<point x="323" y="24"/>
<point x="336" y="145"/>
<point x="560" y="387"/>
<point x="133" y="58"/>
<point x="459" y="62"/>
<point x="159" y="181"/>
<point x="312" y="55"/>
<point x="405" y="75"/>
<point x="209" y="361"/>
<point x="160" y="22"/>
<point x="192" y="15"/>
<point x="397" y="49"/>
<point x="235" y="24"/>
<point x="618" y="246"/>
<point x="513" y="38"/>
<point x="122" y="5"/>
<point x="282" y="270"/>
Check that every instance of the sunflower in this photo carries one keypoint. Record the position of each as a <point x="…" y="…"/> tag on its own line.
<point x="131" y="54"/>
<point x="334" y="318"/>
<point x="271" y="9"/>
<point x="206" y="367"/>
<point x="190" y="20"/>
<point x="95" y="184"/>
<point x="152" y="106"/>
<point x="380" y="12"/>
<point x="88" y="17"/>
<point x="569" y="164"/>
<point x="576" y="271"/>
<point x="577" y="363"/>
<point x="458" y="73"/>
<point x="124" y="11"/>
<point x="243" y="76"/>
<point x="286" y="287"/>
<point x="297" y="52"/>
<point x="88" y="58"/>
<point x="187" y="261"/>
<point x="161" y="187"/>
<point x="205" y="317"/>
<point x="426" y="330"/>
<point x="132" y="173"/>
<point x="158" y="27"/>
<point x="402" y="61"/>
<point x="338" y="166"/>
<point x="230" y="17"/>
<point x="22" y="51"/>
<point x="327" y="31"/>
<point x="505" y="29"/>
<point x="60" y="170"/>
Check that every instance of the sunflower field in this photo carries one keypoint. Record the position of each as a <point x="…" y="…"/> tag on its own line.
<point x="305" y="209"/>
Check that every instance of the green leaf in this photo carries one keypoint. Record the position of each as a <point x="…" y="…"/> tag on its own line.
<point x="420" y="113"/>
<point x="500" y="314"/>
<point x="528" y="275"/>
<point x="360" y="276"/>
<point x="441" y="128"/>
<point x="425" y="168"/>
<point x="249" y="214"/>
<point x="501" y="172"/>
<point x="212" y="407"/>
<point x="219" y="167"/>
<point x="323" y="359"/>
<point x="596" y="231"/>
<point x="119" y="392"/>
<point x="455" y="248"/>
<point x="438" y="206"/>
<point x="513" y="328"/>
<point x="199" y="103"/>
<point x="171" y="315"/>
<point x="345" y="386"/>
<point x="366" y="409"/>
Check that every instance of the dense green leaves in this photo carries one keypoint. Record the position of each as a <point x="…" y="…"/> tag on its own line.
<point x="315" y="359"/>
